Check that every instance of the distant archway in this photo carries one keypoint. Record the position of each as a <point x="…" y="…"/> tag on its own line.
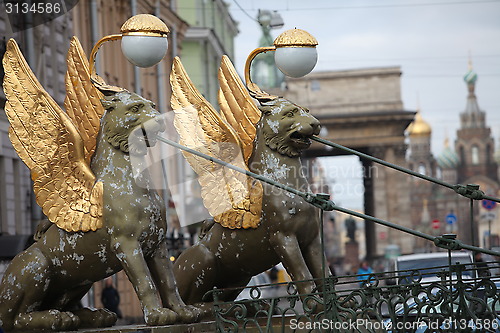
<point x="362" y="109"/>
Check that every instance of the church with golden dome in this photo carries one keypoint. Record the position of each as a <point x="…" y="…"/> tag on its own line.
<point x="469" y="161"/>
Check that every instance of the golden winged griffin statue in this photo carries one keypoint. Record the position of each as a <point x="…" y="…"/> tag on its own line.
<point x="255" y="225"/>
<point x="82" y="178"/>
<point x="103" y="222"/>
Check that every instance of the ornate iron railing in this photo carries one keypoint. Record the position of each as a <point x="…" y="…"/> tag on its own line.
<point x="394" y="302"/>
<point x="460" y="300"/>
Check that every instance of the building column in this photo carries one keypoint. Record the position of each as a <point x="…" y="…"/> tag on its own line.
<point x="369" y="203"/>
<point x="387" y="197"/>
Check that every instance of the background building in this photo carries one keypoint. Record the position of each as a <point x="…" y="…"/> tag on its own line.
<point x="44" y="48"/>
<point x="470" y="162"/>
<point x="210" y="35"/>
<point x="362" y="109"/>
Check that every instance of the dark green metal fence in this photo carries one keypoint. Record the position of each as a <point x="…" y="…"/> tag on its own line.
<point x="390" y="302"/>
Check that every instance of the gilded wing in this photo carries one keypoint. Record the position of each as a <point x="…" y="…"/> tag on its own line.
<point x="237" y="107"/>
<point x="232" y="198"/>
<point x="50" y="145"/>
<point x="83" y="100"/>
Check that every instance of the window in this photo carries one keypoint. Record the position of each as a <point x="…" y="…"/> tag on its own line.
<point x="462" y="155"/>
<point x="439" y="173"/>
<point x="475" y="155"/>
<point x="421" y="169"/>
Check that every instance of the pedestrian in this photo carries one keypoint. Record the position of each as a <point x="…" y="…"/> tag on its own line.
<point x="110" y="297"/>
<point x="364" y="272"/>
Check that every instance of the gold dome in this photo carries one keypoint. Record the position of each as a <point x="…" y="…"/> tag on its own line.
<point x="295" y="37"/>
<point x="419" y="127"/>
<point x="144" y="24"/>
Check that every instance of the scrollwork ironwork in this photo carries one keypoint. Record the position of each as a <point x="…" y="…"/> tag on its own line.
<point x="456" y="301"/>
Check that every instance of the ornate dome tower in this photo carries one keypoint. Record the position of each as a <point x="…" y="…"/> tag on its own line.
<point x="448" y="161"/>
<point x="474" y="144"/>
<point x="421" y="158"/>
<point x="419" y="127"/>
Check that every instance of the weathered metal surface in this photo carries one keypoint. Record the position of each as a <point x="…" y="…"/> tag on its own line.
<point x="103" y="221"/>
<point x="256" y="225"/>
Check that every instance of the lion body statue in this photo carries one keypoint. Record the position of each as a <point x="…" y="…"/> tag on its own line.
<point x="43" y="285"/>
<point x="288" y="229"/>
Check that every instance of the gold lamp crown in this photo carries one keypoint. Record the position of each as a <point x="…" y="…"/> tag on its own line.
<point x="294" y="38"/>
<point x="144" y="24"/>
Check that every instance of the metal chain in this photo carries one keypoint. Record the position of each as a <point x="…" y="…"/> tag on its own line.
<point x="471" y="191"/>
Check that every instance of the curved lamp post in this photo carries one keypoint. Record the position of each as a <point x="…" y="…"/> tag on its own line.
<point x="144" y="44"/>
<point x="295" y="56"/>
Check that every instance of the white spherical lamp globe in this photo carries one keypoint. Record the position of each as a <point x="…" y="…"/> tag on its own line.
<point x="144" y="40"/>
<point x="296" y="61"/>
<point x="144" y="51"/>
<point x="296" y="53"/>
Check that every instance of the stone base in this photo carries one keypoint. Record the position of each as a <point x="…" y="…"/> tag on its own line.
<point x="278" y="323"/>
<point x="208" y="326"/>
<point x="203" y="327"/>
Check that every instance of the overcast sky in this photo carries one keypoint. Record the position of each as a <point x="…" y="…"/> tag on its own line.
<point x="430" y="41"/>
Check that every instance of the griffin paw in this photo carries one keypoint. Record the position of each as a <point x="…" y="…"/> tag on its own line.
<point x="162" y="316"/>
<point x="54" y="320"/>
<point x="105" y="317"/>
<point x="189" y="314"/>
<point x="96" y="318"/>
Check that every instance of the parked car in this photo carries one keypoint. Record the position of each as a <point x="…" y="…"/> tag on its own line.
<point x="426" y="266"/>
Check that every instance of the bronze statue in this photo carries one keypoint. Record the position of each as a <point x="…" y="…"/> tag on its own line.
<point x="104" y="222"/>
<point x="350" y="226"/>
<point x="265" y="225"/>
